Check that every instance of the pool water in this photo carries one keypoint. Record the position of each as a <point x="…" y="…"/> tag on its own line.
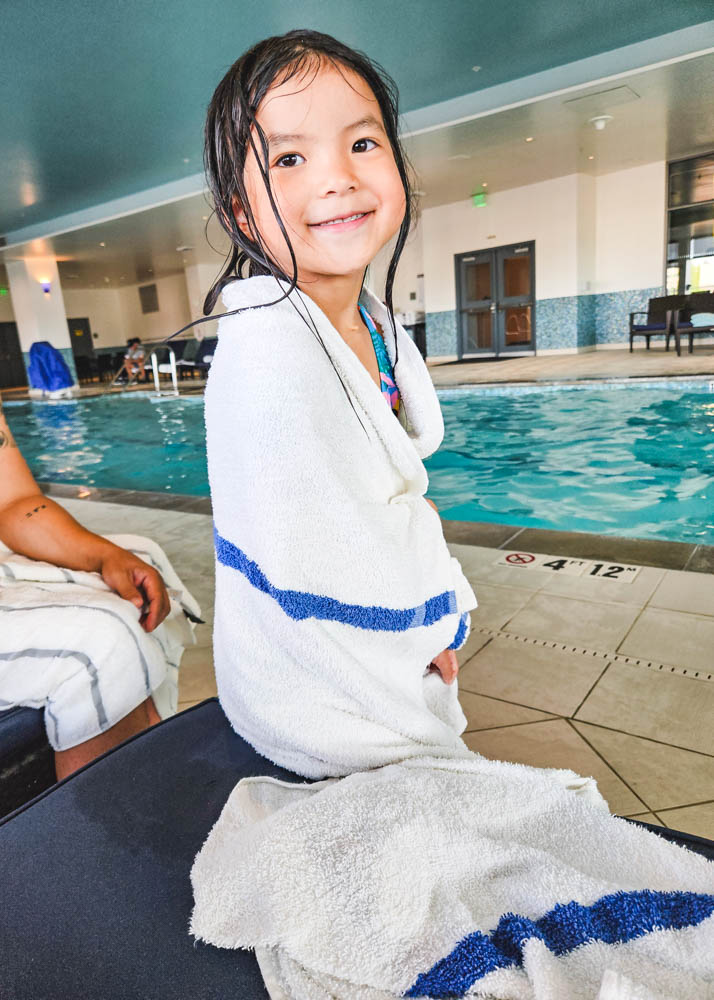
<point x="636" y="461"/>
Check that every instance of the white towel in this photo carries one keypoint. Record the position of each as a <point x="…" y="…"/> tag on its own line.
<point x="453" y="878"/>
<point x="414" y="866"/>
<point x="334" y="586"/>
<point x="72" y="646"/>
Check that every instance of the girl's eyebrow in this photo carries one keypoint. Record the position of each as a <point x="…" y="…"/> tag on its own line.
<point x="278" y="138"/>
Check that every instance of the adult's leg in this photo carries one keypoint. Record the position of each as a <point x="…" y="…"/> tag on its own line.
<point x="143" y="716"/>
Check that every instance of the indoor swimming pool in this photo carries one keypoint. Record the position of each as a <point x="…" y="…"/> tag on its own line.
<point x="616" y="459"/>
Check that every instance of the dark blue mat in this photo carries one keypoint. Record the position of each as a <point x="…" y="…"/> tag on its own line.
<point x="94" y="873"/>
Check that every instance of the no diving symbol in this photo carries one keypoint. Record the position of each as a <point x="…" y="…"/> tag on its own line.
<point x="520" y="558"/>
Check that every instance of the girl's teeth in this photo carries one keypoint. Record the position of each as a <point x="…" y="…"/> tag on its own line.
<point x="348" y="219"/>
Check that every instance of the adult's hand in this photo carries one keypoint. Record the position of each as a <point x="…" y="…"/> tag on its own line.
<point x="136" y="581"/>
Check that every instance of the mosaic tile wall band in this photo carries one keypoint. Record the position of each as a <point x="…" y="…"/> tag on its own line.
<point x="567" y="322"/>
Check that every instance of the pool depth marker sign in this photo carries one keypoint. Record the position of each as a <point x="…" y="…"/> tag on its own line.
<point x="569" y="567"/>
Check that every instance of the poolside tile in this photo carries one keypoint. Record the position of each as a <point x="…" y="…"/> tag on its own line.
<point x="496" y="605"/>
<point x="582" y="545"/>
<point x="489" y="713"/>
<point x="683" y="640"/>
<point x="536" y="676"/>
<point x="647" y="818"/>
<point x="574" y="622"/>
<point x="662" y="706"/>
<point x="701" y="560"/>
<point x="698" y="819"/>
<point x="196" y="675"/>
<point x="663" y="776"/>
<point x="554" y="743"/>
<point x="479" y="565"/>
<point x="689" y="592"/>
<point x="605" y="591"/>
<point x="476" y="640"/>
<point x="478" y="532"/>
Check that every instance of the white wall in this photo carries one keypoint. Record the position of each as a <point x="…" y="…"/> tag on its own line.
<point x="631" y="228"/>
<point x="173" y="309"/>
<point x="543" y="212"/>
<point x="103" y="308"/>
<point x="411" y="263"/>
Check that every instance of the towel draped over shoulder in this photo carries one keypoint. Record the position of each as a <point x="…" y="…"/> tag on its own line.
<point x="334" y="585"/>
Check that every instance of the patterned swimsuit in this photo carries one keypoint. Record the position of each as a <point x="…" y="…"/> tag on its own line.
<point x="388" y="385"/>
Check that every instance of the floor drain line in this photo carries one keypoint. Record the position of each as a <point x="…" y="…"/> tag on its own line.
<point x="595" y="654"/>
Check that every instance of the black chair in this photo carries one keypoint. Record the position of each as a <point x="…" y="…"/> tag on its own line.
<point x="87" y="368"/>
<point x="187" y="363"/>
<point x="692" y="305"/>
<point x="95" y="871"/>
<point x="105" y="366"/>
<point x="657" y="323"/>
<point x="205" y="354"/>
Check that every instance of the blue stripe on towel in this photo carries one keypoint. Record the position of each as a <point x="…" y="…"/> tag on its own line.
<point x="299" y="604"/>
<point x="460" y="632"/>
<point x="614" y="919"/>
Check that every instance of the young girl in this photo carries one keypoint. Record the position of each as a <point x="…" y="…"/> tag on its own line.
<point x="338" y="605"/>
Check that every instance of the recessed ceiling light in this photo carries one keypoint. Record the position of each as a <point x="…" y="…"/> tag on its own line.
<point x="183" y="249"/>
<point x="205" y="218"/>
<point x="484" y="185"/>
<point x="151" y="270"/>
<point x="475" y="69"/>
<point x="460" y="156"/>
<point x="186" y="159"/>
<point x="529" y="138"/>
<point x="591" y="157"/>
<point x="102" y="244"/>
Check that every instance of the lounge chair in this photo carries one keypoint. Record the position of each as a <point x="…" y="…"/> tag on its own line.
<point x="95" y="874"/>
<point x="657" y="323"/>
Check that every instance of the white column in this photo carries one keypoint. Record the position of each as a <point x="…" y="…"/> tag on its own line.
<point x="199" y="278"/>
<point x="39" y="314"/>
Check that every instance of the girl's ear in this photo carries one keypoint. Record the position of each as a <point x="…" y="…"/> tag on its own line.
<point x="240" y="215"/>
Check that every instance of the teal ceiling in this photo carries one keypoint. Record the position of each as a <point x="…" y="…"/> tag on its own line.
<point x="102" y="100"/>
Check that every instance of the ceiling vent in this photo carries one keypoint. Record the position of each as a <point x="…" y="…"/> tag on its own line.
<point x="601" y="100"/>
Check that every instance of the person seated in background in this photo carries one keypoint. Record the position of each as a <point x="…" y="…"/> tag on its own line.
<point x="134" y="361"/>
<point x="32" y="525"/>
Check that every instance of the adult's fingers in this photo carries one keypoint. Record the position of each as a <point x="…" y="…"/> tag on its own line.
<point x="157" y="599"/>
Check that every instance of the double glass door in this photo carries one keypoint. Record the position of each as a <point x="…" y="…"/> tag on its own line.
<point x="496" y="301"/>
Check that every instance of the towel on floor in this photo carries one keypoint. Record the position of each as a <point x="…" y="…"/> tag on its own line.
<point x="72" y="646"/>
<point x="412" y="866"/>
<point x="334" y="585"/>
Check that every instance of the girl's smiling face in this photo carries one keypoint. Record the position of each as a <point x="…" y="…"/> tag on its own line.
<point x="329" y="157"/>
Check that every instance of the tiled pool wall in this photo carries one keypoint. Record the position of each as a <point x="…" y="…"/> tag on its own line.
<point x="571" y="321"/>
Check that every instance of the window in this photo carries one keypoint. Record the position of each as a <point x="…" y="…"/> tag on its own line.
<point x="690" y="212"/>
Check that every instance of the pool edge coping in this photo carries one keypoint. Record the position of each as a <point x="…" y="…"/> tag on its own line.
<point x="661" y="554"/>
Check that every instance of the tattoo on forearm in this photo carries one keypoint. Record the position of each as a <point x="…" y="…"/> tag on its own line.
<point x="43" y="506"/>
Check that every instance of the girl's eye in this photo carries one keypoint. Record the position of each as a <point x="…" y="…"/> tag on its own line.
<point x="286" y="156"/>
<point x="366" y="140"/>
<point x="291" y="156"/>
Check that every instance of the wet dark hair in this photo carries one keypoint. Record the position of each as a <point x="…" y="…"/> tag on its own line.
<point x="228" y="133"/>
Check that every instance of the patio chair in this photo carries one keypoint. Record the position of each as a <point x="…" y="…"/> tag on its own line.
<point x="657" y="323"/>
<point x="186" y="364"/>
<point x="95" y="875"/>
<point x="694" y="318"/>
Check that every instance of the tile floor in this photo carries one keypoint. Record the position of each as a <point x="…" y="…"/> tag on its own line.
<point x="611" y="679"/>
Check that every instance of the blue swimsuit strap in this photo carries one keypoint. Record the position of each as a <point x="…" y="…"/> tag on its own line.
<point x="385" y="364"/>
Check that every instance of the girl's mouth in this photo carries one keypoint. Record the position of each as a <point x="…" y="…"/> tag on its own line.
<point x="351" y="222"/>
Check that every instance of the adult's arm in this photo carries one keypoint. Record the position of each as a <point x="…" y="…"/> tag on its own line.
<point x="33" y="525"/>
